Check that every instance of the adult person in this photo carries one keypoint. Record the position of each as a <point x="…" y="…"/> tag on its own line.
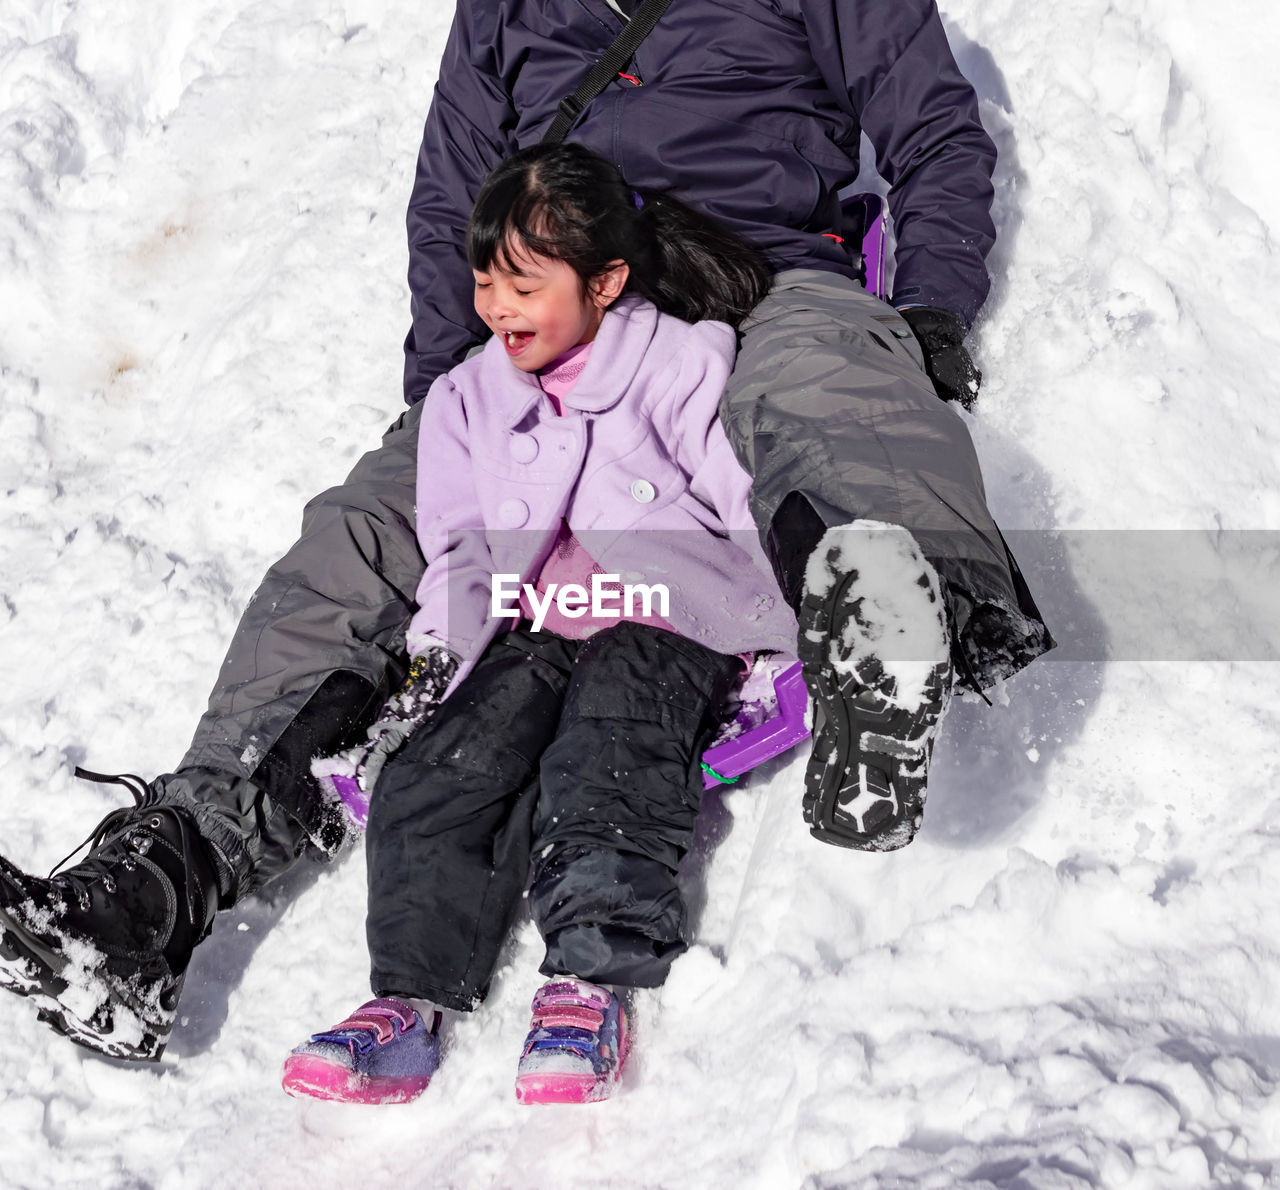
<point x="752" y="111"/>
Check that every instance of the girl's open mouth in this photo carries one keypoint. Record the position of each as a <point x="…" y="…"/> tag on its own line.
<point x="516" y="341"/>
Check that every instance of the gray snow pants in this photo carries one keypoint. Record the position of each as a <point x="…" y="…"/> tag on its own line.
<point x="828" y="408"/>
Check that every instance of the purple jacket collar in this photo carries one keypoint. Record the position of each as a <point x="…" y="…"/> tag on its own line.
<point x="615" y="361"/>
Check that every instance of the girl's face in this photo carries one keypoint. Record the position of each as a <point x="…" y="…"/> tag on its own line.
<point x="539" y="311"/>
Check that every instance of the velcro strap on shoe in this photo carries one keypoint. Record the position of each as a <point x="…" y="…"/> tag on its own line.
<point x="571" y="991"/>
<point x="371" y="1024"/>
<point x="580" y="1016"/>
<point x="381" y="1025"/>
<point x="391" y="1008"/>
<point x="578" y="1040"/>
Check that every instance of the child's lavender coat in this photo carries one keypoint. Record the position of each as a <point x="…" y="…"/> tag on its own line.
<point x="638" y="465"/>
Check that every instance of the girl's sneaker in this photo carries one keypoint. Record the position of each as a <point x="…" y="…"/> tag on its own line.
<point x="577" y="1043"/>
<point x="382" y="1053"/>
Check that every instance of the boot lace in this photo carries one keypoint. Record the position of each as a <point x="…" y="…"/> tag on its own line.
<point x="104" y="840"/>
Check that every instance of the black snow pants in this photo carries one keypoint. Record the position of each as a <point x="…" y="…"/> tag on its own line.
<point x="829" y="409"/>
<point x="588" y="753"/>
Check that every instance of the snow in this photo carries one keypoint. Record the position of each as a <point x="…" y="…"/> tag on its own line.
<point x="1070" y="980"/>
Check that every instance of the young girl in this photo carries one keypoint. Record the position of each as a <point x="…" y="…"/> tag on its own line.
<point x="577" y="458"/>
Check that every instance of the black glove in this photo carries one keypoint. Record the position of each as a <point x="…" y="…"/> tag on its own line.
<point x="941" y="337"/>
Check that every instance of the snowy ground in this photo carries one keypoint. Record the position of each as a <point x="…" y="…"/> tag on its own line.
<point x="1072" y="979"/>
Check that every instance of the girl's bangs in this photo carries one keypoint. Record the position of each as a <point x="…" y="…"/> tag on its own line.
<point x="508" y="221"/>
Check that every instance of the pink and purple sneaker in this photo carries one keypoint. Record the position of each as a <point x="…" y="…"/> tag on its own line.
<point x="382" y="1053"/>
<point x="576" y="1047"/>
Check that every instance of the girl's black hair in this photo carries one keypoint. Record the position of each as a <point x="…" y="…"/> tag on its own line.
<point x="567" y="203"/>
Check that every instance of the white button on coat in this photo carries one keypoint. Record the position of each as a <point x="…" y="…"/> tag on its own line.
<point x="513" y="513"/>
<point x="524" y="448"/>
<point x="642" y="491"/>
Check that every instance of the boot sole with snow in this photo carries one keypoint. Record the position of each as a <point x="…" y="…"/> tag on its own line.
<point x="31" y="969"/>
<point x="866" y="778"/>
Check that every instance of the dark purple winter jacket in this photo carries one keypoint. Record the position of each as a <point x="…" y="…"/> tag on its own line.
<point x="749" y="109"/>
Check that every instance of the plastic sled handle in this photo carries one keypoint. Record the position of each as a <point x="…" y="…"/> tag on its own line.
<point x="725" y="763"/>
<point x="865" y="215"/>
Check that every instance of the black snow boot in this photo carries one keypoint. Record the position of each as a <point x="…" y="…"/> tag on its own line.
<point x="875" y="648"/>
<point x="101" y="948"/>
